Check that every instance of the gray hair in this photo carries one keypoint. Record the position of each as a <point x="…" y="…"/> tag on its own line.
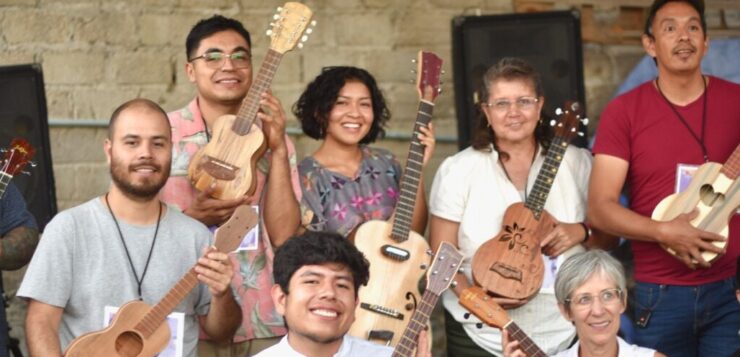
<point x="582" y="266"/>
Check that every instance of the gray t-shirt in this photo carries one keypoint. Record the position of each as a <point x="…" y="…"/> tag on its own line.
<point x="80" y="265"/>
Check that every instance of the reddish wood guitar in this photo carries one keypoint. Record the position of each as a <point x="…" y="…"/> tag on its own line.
<point x="397" y="254"/>
<point x="445" y="265"/>
<point x="478" y="302"/>
<point x="228" y="162"/>
<point x="510" y="264"/>
<point x="714" y="191"/>
<point x="140" y="330"/>
<point x="14" y="160"/>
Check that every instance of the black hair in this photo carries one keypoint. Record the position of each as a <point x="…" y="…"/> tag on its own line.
<point x="507" y="69"/>
<point x="137" y="102"/>
<point x="317" y="248"/>
<point x="208" y="27"/>
<point x="316" y="102"/>
<point x="698" y="5"/>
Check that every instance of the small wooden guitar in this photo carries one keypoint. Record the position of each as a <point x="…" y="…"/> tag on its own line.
<point x="141" y="330"/>
<point x="478" y="302"/>
<point x="510" y="264"/>
<point x="229" y="160"/>
<point x="715" y="191"/>
<point x="439" y="277"/>
<point x="14" y="160"/>
<point x="397" y="254"/>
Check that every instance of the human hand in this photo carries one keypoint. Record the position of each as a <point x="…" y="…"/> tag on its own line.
<point x="426" y="136"/>
<point x="422" y="345"/>
<point x="215" y="270"/>
<point x="511" y="346"/>
<point x="688" y="242"/>
<point x="563" y="237"/>
<point x="509" y="303"/>
<point x="211" y="211"/>
<point x="273" y="121"/>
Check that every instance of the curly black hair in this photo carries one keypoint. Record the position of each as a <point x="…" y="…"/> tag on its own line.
<point x="317" y="248"/>
<point x="207" y="27"/>
<point x="316" y="102"/>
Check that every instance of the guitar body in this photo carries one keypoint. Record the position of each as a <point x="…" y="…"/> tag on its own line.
<point x="120" y="339"/>
<point x="510" y="264"/>
<point x="713" y="194"/>
<point x="394" y="283"/>
<point x="228" y="161"/>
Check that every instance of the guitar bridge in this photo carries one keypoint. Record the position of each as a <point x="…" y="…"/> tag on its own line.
<point x="507" y="271"/>
<point x="382" y="310"/>
<point x="218" y="169"/>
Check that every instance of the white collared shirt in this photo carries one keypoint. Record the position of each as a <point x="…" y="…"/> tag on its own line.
<point x="351" y="347"/>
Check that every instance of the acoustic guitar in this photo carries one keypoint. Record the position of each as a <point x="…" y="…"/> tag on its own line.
<point x="445" y="265"/>
<point x="229" y="160"/>
<point x="141" y="330"/>
<point x="398" y="256"/>
<point x="714" y="191"/>
<point x="510" y="264"/>
<point x="14" y="160"/>
<point x="480" y="304"/>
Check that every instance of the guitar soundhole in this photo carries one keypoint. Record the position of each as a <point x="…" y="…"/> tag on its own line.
<point x="129" y="344"/>
<point x="709" y="197"/>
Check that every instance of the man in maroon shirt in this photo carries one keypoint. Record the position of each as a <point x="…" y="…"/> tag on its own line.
<point x="683" y="305"/>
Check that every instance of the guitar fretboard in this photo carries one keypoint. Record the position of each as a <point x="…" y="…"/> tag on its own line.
<point x="545" y="178"/>
<point x="4" y="181"/>
<point x="248" y="110"/>
<point x="525" y="343"/>
<point x="159" y="312"/>
<point x="411" y="176"/>
<point x="731" y="167"/>
<point x="419" y="319"/>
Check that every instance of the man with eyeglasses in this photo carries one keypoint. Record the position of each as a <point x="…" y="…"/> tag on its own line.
<point x="219" y="63"/>
<point x="647" y="138"/>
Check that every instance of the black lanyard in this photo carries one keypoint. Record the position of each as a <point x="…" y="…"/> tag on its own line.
<point x="699" y="139"/>
<point x="125" y="248"/>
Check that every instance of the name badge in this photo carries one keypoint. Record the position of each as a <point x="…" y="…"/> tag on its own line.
<point x="684" y="174"/>
<point x="175" y="320"/>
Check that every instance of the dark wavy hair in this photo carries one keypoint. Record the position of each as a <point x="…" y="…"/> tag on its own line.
<point x="317" y="248"/>
<point x="698" y="5"/>
<point x="507" y="69"/>
<point x="208" y="27"/>
<point x="316" y="102"/>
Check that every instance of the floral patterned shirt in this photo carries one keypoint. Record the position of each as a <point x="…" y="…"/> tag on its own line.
<point x="336" y="203"/>
<point x="252" y="268"/>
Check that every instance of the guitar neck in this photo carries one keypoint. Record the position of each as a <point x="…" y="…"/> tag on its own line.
<point x="545" y="178"/>
<point x="731" y="168"/>
<point x="159" y="312"/>
<point x="248" y="110"/>
<point x="525" y="343"/>
<point x="411" y="176"/>
<point x="419" y="319"/>
<point x="4" y="181"/>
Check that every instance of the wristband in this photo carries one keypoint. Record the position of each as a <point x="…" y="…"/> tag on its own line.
<point x="588" y="231"/>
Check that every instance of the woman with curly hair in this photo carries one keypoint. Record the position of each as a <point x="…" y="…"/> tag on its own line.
<point x="345" y="182"/>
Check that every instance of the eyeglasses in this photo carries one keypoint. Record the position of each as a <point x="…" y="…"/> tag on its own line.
<point x="522" y="103"/>
<point x="607" y="297"/>
<point x="215" y="60"/>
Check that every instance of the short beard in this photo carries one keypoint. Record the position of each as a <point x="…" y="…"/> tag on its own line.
<point x="138" y="193"/>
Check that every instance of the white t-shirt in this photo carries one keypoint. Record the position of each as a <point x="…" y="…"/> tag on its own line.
<point x="351" y="347"/>
<point x="472" y="189"/>
<point x="625" y="350"/>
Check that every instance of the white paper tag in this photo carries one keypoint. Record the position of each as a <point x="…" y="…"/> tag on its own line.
<point x="252" y="238"/>
<point x="684" y="174"/>
<point x="176" y="320"/>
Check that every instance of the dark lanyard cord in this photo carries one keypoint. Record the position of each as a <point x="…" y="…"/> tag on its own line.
<point x="698" y="139"/>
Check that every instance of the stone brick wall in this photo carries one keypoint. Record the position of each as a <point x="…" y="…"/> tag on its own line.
<point x="96" y="54"/>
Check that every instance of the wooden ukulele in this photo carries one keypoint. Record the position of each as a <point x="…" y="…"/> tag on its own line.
<point x="397" y="255"/>
<point x="141" y="330"/>
<point x="14" y="160"/>
<point x="715" y="191"/>
<point x="510" y="264"/>
<point x="478" y="302"/>
<point x="439" y="277"/>
<point x="229" y="160"/>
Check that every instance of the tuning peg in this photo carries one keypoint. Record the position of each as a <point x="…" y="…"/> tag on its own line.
<point x="268" y="32"/>
<point x="413" y="60"/>
<point x="559" y="111"/>
<point x="466" y="315"/>
<point x="479" y="325"/>
<point x="26" y="173"/>
<point x="443" y="72"/>
<point x="429" y="252"/>
<point x="553" y="122"/>
<point x="580" y="133"/>
<point x="276" y="16"/>
<point x="300" y="45"/>
<point x="423" y="267"/>
<point x="584" y="121"/>
<point x="304" y="38"/>
<point x="461" y="270"/>
<point x="309" y="30"/>
<point x="313" y="23"/>
<point x="454" y="284"/>
<point x="279" y="8"/>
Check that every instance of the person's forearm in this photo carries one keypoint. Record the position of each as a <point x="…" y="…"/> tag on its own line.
<point x="42" y="335"/>
<point x="224" y="317"/>
<point x="17" y="247"/>
<point x="613" y="218"/>
<point x="419" y="220"/>
<point x="282" y="215"/>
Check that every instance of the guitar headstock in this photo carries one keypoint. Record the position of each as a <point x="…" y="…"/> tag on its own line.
<point x="291" y="21"/>
<point x="231" y="233"/>
<point x="428" y="72"/>
<point x="445" y="265"/>
<point x="480" y="304"/>
<point x="17" y="156"/>
<point x="566" y="127"/>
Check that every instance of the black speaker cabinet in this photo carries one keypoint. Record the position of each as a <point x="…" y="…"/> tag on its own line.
<point x="550" y="41"/>
<point x="23" y="114"/>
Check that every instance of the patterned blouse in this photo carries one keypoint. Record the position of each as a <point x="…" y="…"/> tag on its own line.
<point x="252" y="268"/>
<point x="337" y="203"/>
